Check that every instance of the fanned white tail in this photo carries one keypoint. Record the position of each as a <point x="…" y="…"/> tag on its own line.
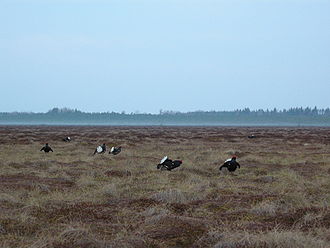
<point x="99" y="149"/>
<point x="163" y="160"/>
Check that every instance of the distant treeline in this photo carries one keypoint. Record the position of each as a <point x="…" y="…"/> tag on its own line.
<point x="65" y="116"/>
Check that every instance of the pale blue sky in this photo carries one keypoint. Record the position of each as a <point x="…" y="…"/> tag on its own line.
<point x="149" y="55"/>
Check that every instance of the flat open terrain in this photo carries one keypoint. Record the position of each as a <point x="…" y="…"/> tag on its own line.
<point x="279" y="198"/>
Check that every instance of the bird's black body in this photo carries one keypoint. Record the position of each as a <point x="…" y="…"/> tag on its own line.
<point x="46" y="148"/>
<point x="104" y="149"/>
<point x="115" y="150"/>
<point x="231" y="165"/>
<point x="169" y="164"/>
<point x="252" y="136"/>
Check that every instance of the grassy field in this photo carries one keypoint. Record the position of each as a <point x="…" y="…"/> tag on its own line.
<point x="279" y="198"/>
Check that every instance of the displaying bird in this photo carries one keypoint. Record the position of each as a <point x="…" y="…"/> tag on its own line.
<point x="231" y="164"/>
<point x="67" y="139"/>
<point x="100" y="149"/>
<point x="115" y="150"/>
<point x="46" y="148"/>
<point x="168" y="164"/>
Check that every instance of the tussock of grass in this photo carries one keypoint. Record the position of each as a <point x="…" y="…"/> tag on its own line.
<point x="171" y="196"/>
<point x="110" y="190"/>
<point x="86" y="181"/>
<point x="274" y="239"/>
<point x="265" y="208"/>
<point x="150" y="212"/>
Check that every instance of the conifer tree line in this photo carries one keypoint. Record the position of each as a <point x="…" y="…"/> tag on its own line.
<point x="294" y="116"/>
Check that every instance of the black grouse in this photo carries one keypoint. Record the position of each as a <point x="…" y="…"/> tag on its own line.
<point x="168" y="164"/>
<point x="115" y="150"/>
<point x="100" y="149"/>
<point x="67" y="139"/>
<point x="231" y="164"/>
<point x="46" y="148"/>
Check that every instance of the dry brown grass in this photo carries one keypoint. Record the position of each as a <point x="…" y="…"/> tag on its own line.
<point x="279" y="198"/>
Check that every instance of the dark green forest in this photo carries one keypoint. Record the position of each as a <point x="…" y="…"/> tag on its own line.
<point x="64" y="116"/>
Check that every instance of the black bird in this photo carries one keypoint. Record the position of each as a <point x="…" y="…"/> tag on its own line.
<point x="67" y="139"/>
<point x="168" y="164"/>
<point x="252" y="136"/>
<point x="46" y="148"/>
<point x="115" y="150"/>
<point x="231" y="164"/>
<point x="100" y="149"/>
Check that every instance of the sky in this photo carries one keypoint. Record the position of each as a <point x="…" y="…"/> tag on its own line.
<point x="152" y="55"/>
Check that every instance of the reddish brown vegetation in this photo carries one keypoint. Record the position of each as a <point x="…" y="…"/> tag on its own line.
<point x="70" y="198"/>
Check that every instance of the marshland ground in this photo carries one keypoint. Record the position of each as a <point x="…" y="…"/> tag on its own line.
<point x="279" y="198"/>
